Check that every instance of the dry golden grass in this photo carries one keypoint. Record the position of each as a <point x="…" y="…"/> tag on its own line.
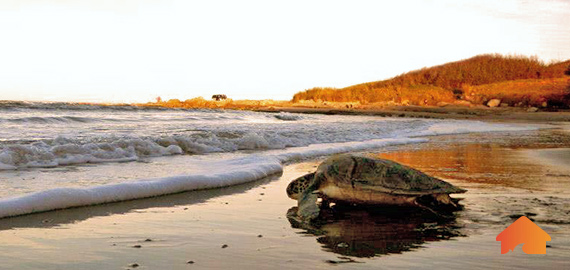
<point x="549" y="92"/>
<point x="413" y="95"/>
<point x="201" y="103"/>
<point x="516" y="79"/>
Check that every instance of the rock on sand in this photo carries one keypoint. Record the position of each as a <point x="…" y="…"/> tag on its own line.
<point x="494" y="102"/>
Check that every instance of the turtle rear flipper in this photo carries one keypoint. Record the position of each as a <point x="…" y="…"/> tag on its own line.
<point x="440" y="204"/>
<point x="434" y="212"/>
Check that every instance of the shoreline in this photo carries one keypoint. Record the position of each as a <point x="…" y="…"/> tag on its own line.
<point x="450" y="112"/>
<point x="251" y="219"/>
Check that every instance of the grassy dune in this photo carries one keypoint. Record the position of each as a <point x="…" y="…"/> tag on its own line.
<point x="517" y="80"/>
<point x="538" y="93"/>
<point x="201" y="103"/>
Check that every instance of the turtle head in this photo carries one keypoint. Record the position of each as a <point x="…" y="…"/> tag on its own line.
<point x="297" y="186"/>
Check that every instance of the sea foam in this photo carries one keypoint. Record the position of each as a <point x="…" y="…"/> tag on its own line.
<point x="222" y="173"/>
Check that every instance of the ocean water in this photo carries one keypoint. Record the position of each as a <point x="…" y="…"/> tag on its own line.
<point x="57" y="155"/>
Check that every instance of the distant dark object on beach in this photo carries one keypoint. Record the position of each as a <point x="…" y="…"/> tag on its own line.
<point x="494" y="103"/>
<point x="219" y="97"/>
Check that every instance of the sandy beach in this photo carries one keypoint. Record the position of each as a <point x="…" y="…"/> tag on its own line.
<point x="300" y="135"/>
<point x="246" y="226"/>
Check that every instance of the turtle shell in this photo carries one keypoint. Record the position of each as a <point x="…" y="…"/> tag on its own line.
<point x="381" y="175"/>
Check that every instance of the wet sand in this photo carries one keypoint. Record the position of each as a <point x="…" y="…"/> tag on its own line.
<point x="246" y="227"/>
<point x="478" y="112"/>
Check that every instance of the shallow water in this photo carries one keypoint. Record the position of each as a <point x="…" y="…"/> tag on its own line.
<point x="52" y="136"/>
<point x="55" y="156"/>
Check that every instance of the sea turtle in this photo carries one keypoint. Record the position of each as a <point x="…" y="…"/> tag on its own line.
<point x="369" y="181"/>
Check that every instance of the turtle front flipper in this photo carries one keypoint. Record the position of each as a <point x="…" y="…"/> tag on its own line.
<point x="308" y="208"/>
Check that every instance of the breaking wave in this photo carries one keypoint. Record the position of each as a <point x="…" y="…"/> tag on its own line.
<point x="288" y="116"/>
<point x="221" y="173"/>
<point x="63" y="151"/>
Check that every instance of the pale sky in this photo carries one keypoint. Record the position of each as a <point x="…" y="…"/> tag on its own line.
<point x="134" y="51"/>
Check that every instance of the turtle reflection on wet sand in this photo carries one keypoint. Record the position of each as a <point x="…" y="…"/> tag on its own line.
<point x="362" y="180"/>
<point x="368" y="231"/>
